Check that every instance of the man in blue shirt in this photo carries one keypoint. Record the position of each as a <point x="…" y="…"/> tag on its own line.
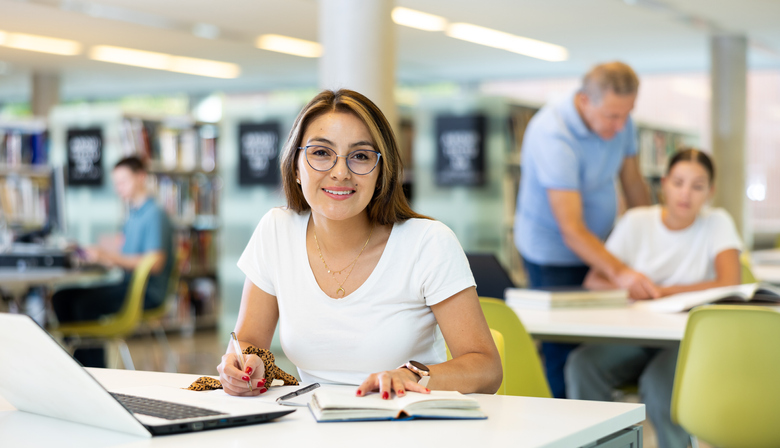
<point x="574" y="152"/>
<point x="146" y="231"/>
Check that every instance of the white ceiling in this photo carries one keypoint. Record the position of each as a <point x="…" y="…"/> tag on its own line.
<point x="652" y="35"/>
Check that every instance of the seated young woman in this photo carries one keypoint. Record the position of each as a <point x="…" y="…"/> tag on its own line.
<point x="682" y="245"/>
<point x="359" y="283"/>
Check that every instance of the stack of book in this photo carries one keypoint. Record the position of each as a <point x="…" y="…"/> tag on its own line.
<point x="564" y="297"/>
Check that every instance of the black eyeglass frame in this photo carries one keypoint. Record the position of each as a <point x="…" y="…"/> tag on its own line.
<point x="306" y="154"/>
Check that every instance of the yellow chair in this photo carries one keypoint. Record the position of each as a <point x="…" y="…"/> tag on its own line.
<point x="523" y="374"/>
<point x="115" y="327"/>
<point x="726" y="391"/>
<point x="152" y="319"/>
<point x="747" y="271"/>
<point x="498" y="339"/>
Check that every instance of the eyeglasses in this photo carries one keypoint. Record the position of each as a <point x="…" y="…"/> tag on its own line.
<point x="322" y="158"/>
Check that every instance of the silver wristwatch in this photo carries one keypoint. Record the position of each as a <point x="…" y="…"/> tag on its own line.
<point x="420" y="370"/>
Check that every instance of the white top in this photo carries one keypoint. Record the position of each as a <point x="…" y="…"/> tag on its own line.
<point x="381" y="325"/>
<point x="673" y="257"/>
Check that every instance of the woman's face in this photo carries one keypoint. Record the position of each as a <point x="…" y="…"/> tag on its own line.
<point x="686" y="189"/>
<point x="337" y="194"/>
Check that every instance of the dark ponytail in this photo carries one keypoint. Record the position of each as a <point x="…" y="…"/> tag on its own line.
<point x="693" y="155"/>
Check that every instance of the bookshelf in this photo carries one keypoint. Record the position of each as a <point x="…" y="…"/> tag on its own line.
<point x="656" y="145"/>
<point x="24" y="174"/>
<point x="183" y="177"/>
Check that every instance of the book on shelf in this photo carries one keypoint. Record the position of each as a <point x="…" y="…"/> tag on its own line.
<point x="749" y="293"/>
<point x="329" y="405"/>
<point x="564" y="297"/>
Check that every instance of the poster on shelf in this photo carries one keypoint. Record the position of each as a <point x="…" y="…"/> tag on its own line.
<point x="258" y="153"/>
<point x="85" y="157"/>
<point x="460" y="150"/>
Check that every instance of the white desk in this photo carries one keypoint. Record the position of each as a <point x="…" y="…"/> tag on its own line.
<point x="512" y="421"/>
<point x="765" y="265"/>
<point x="605" y="325"/>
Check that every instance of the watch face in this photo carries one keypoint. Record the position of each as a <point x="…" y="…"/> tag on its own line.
<point x="419" y="366"/>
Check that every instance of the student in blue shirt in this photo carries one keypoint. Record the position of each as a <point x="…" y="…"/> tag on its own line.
<point x="147" y="230"/>
<point x="574" y="152"/>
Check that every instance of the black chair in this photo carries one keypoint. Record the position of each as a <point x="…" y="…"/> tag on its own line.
<point x="490" y="276"/>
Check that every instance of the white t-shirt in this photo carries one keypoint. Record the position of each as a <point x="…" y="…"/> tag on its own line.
<point x="673" y="257"/>
<point x="384" y="323"/>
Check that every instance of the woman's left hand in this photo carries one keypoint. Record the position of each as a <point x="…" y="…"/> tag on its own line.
<point x="398" y="381"/>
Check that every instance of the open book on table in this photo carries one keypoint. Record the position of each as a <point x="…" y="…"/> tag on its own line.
<point x="747" y="293"/>
<point x="564" y="297"/>
<point x="343" y="405"/>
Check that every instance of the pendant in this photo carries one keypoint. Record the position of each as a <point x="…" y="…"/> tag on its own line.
<point x="340" y="292"/>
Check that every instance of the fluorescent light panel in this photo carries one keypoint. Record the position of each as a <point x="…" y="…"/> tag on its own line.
<point x="289" y="45"/>
<point x="505" y="41"/>
<point x="418" y="19"/>
<point x="41" y="44"/>
<point x="163" y="61"/>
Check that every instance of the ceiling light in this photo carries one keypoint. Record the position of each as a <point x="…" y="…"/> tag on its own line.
<point x="289" y="45"/>
<point x="505" y="41"/>
<point x="163" y="61"/>
<point x="42" y="44"/>
<point x="418" y="19"/>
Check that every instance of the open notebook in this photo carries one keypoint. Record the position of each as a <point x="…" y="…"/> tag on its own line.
<point x="751" y="293"/>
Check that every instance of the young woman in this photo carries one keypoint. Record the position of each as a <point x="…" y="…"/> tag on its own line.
<point x="359" y="283"/>
<point x="681" y="246"/>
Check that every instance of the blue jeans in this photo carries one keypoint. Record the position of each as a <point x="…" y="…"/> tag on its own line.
<point x="555" y="354"/>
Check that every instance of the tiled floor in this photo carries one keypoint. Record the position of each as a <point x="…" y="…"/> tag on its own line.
<point x="201" y="353"/>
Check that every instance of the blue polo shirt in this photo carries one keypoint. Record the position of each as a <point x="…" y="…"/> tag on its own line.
<point x="148" y="229"/>
<point x="559" y="152"/>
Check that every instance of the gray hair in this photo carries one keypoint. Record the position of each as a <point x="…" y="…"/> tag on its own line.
<point x="615" y="77"/>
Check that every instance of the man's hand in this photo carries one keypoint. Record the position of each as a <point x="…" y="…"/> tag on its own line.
<point x="639" y="287"/>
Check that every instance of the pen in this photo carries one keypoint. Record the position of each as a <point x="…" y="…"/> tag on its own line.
<point x="237" y="349"/>
<point x="301" y="391"/>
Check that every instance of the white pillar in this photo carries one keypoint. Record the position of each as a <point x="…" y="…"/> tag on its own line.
<point x="358" y="50"/>
<point x="728" y="74"/>
<point x="45" y="93"/>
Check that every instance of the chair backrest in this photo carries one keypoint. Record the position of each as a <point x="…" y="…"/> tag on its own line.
<point x="523" y="373"/>
<point x="127" y="318"/>
<point x="498" y="339"/>
<point x="726" y="388"/>
<point x="173" y="285"/>
<point x="491" y="278"/>
<point x="747" y="271"/>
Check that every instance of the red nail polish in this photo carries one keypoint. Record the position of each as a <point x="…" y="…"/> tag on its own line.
<point x="427" y="390"/>
<point x="400" y="393"/>
<point x="263" y="390"/>
<point x="261" y="382"/>
<point x="245" y="378"/>
<point x="249" y="370"/>
<point x="385" y="395"/>
<point x="359" y="393"/>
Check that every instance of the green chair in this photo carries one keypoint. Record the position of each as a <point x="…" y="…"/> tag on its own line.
<point x="726" y="389"/>
<point x="115" y="327"/>
<point x="152" y="319"/>
<point x="498" y="339"/>
<point x="747" y="271"/>
<point x="523" y="374"/>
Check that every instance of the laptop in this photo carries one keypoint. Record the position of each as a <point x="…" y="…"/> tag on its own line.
<point x="38" y="376"/>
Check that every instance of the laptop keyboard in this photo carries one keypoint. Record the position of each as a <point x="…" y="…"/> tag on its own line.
<point x="162" y="409"/>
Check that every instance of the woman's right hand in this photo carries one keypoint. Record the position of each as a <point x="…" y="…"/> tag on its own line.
<point x="234" y="381"/>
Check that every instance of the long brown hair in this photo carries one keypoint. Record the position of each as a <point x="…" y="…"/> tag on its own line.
<point x="693" y="155"/>
<point x="388" y="204"/>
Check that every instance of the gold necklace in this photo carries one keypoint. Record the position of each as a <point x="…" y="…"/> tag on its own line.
<point x="351" y="266"/>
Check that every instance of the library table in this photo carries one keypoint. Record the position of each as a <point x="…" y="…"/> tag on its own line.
<point x="626" y="325"/>
<point x="512" y="422"/>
